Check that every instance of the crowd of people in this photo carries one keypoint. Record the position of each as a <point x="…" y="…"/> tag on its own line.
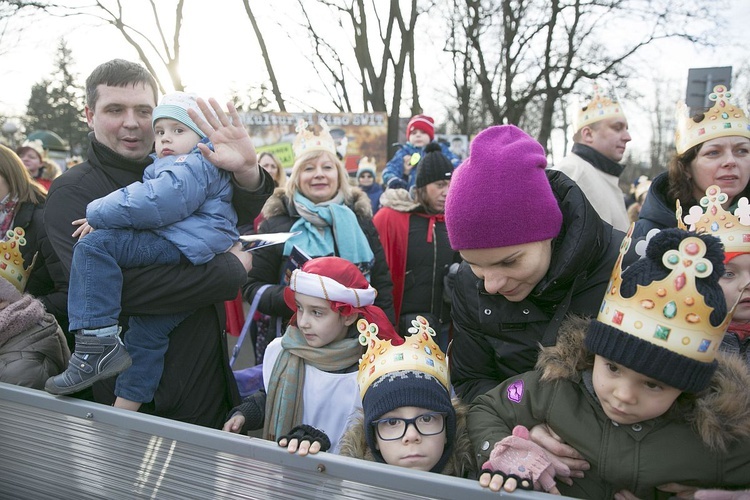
<point x="498" y="320"/>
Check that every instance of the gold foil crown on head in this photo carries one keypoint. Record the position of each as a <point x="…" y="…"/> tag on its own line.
<point x="669" y="313"/>
<point x="307" y="141"/>
<point x="419" y="352"/>
<point x="724" y="119"/>
<point x="710" y="218"/>
<point x="11" y="260"/>
<point x="599" y="108"/>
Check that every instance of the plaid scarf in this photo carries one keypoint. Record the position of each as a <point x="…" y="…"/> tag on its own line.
<point x="284" y="398"/>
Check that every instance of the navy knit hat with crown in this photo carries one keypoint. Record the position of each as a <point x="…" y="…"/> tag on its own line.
<point x="657" y="361"/>
<point x="408" y="388"/>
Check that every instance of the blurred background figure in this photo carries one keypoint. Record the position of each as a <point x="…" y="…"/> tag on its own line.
<point x="367" y="181"/>
<point x="640" y="191"/>
<point x="415" y="239"/>
<point x="273" y="166"/>
<point x="34" y="158"/>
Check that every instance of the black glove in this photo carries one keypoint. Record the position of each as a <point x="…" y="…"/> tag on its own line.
<point x="253" y="408"/>
<point x="308" y="433"/>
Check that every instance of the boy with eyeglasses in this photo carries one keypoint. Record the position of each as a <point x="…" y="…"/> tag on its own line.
<point x="408" y="418"/>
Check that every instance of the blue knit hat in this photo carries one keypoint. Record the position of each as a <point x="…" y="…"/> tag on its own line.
<point x="175" y="106"/>
<point x="408" y="388"/>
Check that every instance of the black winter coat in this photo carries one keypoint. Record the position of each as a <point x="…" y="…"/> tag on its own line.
<point x="269" y="262"/>
<point x="197" y="385"/>
<point x="658" y="211"/>
<point x="495" y="339"/>
<point x="47" y="281"/>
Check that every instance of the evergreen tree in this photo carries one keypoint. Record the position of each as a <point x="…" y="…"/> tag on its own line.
<point x="57" y="104"/>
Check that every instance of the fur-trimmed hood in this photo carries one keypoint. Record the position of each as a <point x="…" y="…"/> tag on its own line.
<point x="460" y="464"/>
<point x="399" y="200"/>
<point x="279" y="204"/>
<point x="720" y="413"/>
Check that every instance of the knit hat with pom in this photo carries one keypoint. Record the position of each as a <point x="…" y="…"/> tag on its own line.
<point x="433" y="166"/>
<point x="658" y="333"/>
<point x="500" y="195"/>
<point x="422" y="122"/>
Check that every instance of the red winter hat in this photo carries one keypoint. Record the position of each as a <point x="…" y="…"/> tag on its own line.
<point x="422" y="122"/>
<point x="342" y="284"/>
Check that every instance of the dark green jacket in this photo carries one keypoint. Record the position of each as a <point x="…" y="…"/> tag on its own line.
<point x="704" y="442"/>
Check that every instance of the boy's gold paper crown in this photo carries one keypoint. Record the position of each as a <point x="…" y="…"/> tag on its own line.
<point x="307" y="141"/>
<point x="11" y="261"/>
<point x="722" y="120"/>
<point x="669" y="313"/>
<point x="732" y="230"/>
<point x="368" y="162"/>
<point x="418" y="352"/>
<point x="599" y="108"/>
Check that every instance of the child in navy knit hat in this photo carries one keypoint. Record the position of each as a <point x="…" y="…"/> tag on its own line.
<point x="181" y="210"/>
<point x="401" y="171"/>
<point x="408" y="418"/>
<point x="639" y="391"/>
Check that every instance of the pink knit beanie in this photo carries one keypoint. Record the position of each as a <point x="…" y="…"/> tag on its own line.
<point x="500" y="195"/>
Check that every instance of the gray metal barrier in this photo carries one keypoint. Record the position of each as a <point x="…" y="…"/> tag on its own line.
<point x="63" y="448"/>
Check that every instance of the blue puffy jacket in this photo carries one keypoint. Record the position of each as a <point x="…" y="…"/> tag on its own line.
<point x="183" y="198"/>
<point x="393" y="174"/>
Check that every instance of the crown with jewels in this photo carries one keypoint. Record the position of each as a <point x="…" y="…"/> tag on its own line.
<point x="419" y="352"/>
<point x="722" y="120"/>
<point x="710" y="218"/>
<point x="669" y="313"/>
<point x="307" y="141"/>
<point x="11" y="261"/>
<point x="599" y="108"/>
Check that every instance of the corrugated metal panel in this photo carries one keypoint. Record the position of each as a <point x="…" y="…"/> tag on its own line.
<point x="62" y="448"/>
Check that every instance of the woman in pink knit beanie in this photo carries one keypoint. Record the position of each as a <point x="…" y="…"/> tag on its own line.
<point x="534" y="252"/>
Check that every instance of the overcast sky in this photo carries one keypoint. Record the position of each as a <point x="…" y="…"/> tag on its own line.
<point x="220" y="53"/>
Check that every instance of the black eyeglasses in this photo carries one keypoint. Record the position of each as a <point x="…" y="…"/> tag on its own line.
<point x="393" y="428"/>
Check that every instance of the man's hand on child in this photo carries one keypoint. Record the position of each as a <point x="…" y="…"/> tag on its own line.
<point x="246" y="258"/>
<point x="234" y="424"/>
<point x="555" y="447"/>
<point x="83" y="228"/>
<point x="517" y="462"/>
<point x="304" y="440"/>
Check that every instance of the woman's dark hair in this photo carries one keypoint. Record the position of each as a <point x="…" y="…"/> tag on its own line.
<point x="681" y="186"/>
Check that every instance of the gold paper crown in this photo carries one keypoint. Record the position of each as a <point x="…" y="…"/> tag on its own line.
<point x="307" y="141"/>
<point x="722" y="120"/>
<point x="598" y="109"/>
<point x="669" y="313"/>
<point x="732" y="230"/>
<point x="367" y="162"/>
<point x="418" y="352"/>
<point x="11" y="261"/>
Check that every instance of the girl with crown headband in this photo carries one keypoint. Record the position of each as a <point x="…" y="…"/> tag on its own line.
<point x="22" y="204"/>
<point x="712" y="148"/>
<point x="331" y="216"/>
<point x="640" y="391"/>
<point x="315" y="362"/>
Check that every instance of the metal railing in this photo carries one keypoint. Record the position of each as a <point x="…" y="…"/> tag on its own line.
<point x="60" y="448"/>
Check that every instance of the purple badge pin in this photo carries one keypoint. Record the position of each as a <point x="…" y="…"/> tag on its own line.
<point x="515" y="391"/>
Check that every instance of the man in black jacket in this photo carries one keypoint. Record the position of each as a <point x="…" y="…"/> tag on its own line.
<point x="197" y="385"/>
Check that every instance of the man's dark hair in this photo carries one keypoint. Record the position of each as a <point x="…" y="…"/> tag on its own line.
<point x="117" y="73"/>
